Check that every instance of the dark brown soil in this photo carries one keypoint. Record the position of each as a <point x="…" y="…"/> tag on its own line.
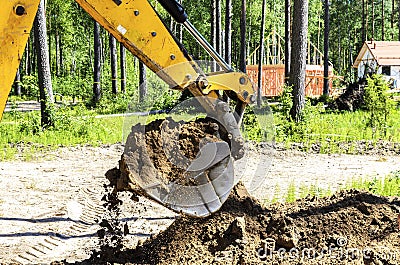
<point x="352" y="98"/>
<point x="164" y="148"/>
<point x="350" y="226"/>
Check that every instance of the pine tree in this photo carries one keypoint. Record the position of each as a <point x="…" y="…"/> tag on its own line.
<point x="113" y="59"/>
<point x="142" y="82"/>
<point x="242" y="60"/>
<point x="122" y="60"/>
<point x="298" y="57"/>
<point x="228" y="31"/>
<point x="287" y="39"/>
<point x="43" y="64"/>
<point x="97" y="64"/>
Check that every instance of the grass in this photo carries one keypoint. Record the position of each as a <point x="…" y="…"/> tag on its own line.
<point x="20" y="133"/>
<point x="79" y="131"/>
<point x="386" y="186"/>
<point x="293" y="193"/>
<point x="329" y="129"/>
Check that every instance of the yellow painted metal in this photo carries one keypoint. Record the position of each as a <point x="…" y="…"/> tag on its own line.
<point x="135" y="24"/>
<point x="238" y="82"/>
<point x="16" y="19"/>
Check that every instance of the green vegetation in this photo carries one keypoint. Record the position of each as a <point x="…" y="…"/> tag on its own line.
<point x="328" y="127"/>
<point x="293" y="193"/>
<point x="378" y="103"/>
<point x="21" y="133"/>
<point x="378" y="120"/>
<point x="70" y="38"/>
<point x="386" y="186"/>
<point x="78" y="125"/>
<point x="258" y="124"/>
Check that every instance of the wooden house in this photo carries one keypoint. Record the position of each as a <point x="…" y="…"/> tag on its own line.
<point x="273" y="77"/>
<point x="382" y="57"/>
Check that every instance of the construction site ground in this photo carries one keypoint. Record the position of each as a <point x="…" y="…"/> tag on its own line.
<point x="50" y="207"/>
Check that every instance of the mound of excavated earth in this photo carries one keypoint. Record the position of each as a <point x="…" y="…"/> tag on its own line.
<point x="350" y="226"/>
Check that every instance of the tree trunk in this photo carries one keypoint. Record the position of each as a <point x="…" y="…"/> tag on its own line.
<point x="218" y="26"/>
<point x="242" y="63"/>
<point x="339" y="49"/>
<point x="392" y="21"/>
<point x="363" y="28"/>
<point x="398" y="18"/>
<point x="298" y="57"/>
<point x="97" y="64"/>
<point x="17" y="83"/>
<point x="366" y="20"/>
<point x="373" y="19"/>
<point x="28" y="58"/>
<point x="228" y="38"/>
<point x="213" y="30"/>
<point x="383" y="20"/>
<point x="57" y="53"/>
<point x="260" y="60"/>
<point x="326" y="49"/>
<point x="142" y="82"/>
<point x="33" y="55"/>
<point x="61" y="56"/>
<point x="181" y="27"/>
<point x="43" y="64"/>
<point x="113" y="59"/>
<point x="228" y="32"/>
<point x="122" y="60"/>
<point x="287" y="39"/>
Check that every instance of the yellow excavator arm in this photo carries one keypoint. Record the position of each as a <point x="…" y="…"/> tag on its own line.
<point x="133" y="23"/>
<point x="138" y="27"/>
<point x="16" y="20"/>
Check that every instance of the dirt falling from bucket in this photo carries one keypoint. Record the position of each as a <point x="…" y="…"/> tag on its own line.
<point x="349" y="227"/>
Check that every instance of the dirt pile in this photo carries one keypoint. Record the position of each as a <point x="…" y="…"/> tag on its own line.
<point x="352" y="98"/>
<point x="351" y="226"/>
<point x="244" y="233"/>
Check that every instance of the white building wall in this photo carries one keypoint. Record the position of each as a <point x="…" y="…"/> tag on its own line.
<point x="395" y="74"/>
<point x="395" y="71"/>
<point x="369" y="60"/>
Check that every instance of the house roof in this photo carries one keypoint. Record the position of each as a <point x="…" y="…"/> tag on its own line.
<point x="384" y="52"/>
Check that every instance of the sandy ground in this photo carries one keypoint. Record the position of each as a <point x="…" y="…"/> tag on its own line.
<point x="50" y="209"/>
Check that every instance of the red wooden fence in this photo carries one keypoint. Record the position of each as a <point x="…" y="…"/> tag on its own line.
<point x="274" y="79"/>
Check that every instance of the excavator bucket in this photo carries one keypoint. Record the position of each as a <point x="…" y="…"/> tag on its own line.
<point x="209" y="155"/>
<point x="185" y="165"/>
<point x="208" y="177"/>
<point x="206" y="167"/>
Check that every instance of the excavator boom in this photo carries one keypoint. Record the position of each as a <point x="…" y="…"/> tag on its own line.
<point x="16" y="20"/>
<point x="139" y="28"/>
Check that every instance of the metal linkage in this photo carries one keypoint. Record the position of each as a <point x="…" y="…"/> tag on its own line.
<point x="207" y="46"/>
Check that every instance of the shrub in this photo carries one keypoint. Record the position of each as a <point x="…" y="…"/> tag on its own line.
<point x="378" y="103"/>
